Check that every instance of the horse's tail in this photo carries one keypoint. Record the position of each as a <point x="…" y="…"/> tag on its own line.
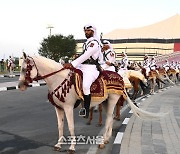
<point x="145" y="115"/>
<point x="169" y="80"/>
<point x="160" y="80"/>
<point x="143" y="84"/>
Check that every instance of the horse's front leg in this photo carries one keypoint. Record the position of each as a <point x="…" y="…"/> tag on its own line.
<point x="136" y="89"/>
<point x="70" y="120"/>
<point x="60" y="119"/>
<point x="112" y="101"/>
<point x="152" y="86"/>
<point x="90" y="116"/>
<point x="118" y="107"/>
<point x="100" y="115"/>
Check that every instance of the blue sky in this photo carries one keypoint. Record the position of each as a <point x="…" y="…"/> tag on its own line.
<point x="24" y="22"/>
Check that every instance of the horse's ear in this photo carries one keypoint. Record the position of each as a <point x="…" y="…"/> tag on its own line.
<point x="24" y="55"/>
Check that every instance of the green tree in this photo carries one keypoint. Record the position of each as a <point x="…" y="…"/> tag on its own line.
<point x="58" y="46"/>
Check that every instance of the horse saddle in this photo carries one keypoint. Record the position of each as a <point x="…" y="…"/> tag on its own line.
<point x="107" y="82"/>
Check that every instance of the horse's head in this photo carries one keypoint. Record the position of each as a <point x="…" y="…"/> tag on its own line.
<point x="28" y="72"/>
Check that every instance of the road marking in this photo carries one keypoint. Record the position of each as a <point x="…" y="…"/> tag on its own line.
<point x="143" y="99"/>
<point x="3" y="89"/>
<point x="130" y="111"/>
<point x="35" y="85"/>
<point x="148" y="95"/>
<point x="118" y="138"/>
<point x="126" y="120"/>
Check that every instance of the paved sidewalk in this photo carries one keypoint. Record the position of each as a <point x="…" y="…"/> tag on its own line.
<point x="160" y="136"/>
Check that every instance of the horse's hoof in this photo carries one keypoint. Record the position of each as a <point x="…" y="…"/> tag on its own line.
<point x="70" y="151"/>
<point x="106" y="142"/>
<point x="117" y="118"/>
<point x="99" y="125"/>
<point x="57" y="148"/>
<point x="88" y="123"/>
<point x="95" y="110"/>
<point x="101" y="146"/>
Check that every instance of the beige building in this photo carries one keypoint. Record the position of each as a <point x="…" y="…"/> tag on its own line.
<point x="157" y="39"/>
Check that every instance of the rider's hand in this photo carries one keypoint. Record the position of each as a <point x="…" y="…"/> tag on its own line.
<point x="108" y="63"/>
<point x="68" y="65"/>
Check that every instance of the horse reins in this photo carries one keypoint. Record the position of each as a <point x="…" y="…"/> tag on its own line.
<point x="38" y="76"/>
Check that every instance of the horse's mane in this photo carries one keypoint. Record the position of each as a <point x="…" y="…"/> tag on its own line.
<point x="49" y="63"/>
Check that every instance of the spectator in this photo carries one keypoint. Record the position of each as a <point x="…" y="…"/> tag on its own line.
<point x="2" y="65"/>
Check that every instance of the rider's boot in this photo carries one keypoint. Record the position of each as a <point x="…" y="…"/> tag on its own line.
<point x="85" y="111"/>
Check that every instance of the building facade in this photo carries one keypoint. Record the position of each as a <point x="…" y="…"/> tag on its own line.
<point x="137" y="48"/>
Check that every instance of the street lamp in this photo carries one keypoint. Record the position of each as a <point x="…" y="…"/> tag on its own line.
<point x="50" y="27"/>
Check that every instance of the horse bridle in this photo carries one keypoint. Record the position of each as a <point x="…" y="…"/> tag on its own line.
<point x="28" y="78"/>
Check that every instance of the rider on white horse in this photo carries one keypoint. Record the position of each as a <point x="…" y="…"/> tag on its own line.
<point x="172" y="65"/>
<point x="152" y="64"/>
<point x="146" y="64"/>
<point x="166" y="65"/>
<point x="87" y="62"/>
<point x="10" y="66"/>
<point x="177" y="66"/>
<point x="109" y="56"/>
<point x="123" y="71"/>
<point x="123" y="64"/>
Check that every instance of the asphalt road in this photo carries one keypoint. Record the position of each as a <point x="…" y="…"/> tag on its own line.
<point x="7" y="79"/>
<point x="28" y="124"/>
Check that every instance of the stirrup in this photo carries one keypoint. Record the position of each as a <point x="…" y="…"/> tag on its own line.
<point x="82" y="112"/>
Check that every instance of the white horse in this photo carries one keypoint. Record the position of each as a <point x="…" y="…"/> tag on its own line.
<point x="38" y="67"/>
<point x="11" y="67"/>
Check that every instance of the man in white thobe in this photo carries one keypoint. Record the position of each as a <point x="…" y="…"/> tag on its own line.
<point x="87" y="63"/>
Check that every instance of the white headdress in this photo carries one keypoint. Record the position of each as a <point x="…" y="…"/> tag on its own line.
<point x="108" y="43"/>
<point x="153" y="57"/>
<point x="93" y="28"/>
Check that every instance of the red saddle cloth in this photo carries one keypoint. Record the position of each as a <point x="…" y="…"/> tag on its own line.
<point x="107" y="82"/>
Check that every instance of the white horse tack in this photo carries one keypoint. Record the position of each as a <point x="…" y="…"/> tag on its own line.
<point x="53" y="73"/>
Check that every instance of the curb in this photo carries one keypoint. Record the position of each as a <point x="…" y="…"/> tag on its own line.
<point x="16" y="87"/>
<point x="7" y="75"/>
